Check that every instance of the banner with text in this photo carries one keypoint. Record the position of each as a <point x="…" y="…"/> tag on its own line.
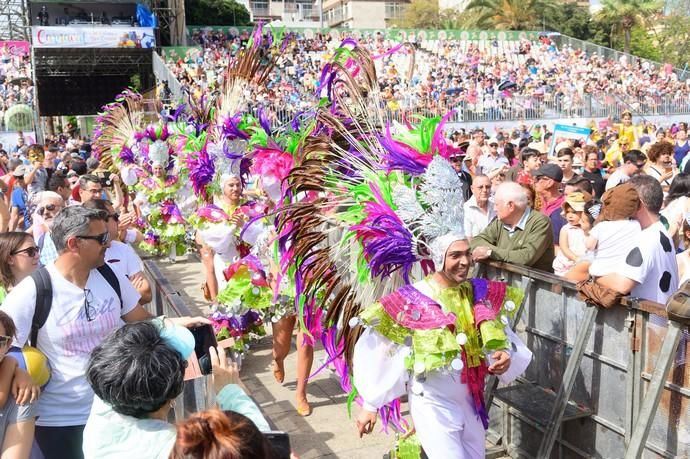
<point x="93" y="37"/>
<point x="15" y="47"/>
<point x="563" y="133"/>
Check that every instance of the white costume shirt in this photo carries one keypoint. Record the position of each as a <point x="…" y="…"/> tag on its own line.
<point x="614" y="240"/>
<point x="443" y="413"/>
<point x="67" y="338"/>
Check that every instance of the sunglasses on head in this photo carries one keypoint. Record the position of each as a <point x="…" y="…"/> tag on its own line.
<point x="102" y="238"/>
<point x="5" y="340"/>
<point x="30" y="251"/>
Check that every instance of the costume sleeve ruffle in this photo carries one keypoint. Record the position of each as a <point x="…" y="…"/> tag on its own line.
<point x="379" y="371"/>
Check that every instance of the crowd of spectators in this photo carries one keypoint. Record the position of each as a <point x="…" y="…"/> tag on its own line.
<point x="16" y="86"/>
<point x="480" y="79"/>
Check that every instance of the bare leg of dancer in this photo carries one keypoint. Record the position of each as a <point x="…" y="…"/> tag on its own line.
<point x="282" y="337"/>
<point x="209" y="271"/>
<point x="305" y="357"/>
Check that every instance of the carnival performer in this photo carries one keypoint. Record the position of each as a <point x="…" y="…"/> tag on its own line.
<point x="220" y="237"/>
<point x="431" y="341"/>
<point x="387" y="202"/>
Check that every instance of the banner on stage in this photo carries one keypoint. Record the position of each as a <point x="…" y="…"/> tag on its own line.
<point x="93" y="37"/>
<point x="563" y="133"/>
<point x="15" y="47"/>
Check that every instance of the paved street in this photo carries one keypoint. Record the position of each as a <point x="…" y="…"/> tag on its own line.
<point x="328" y="432"/>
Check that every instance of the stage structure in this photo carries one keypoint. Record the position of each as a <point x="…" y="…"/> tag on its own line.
<point x="14" y="20"/>
<point x="86" y="52"/>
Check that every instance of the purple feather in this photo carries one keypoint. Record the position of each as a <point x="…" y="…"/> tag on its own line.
<point x="230" y="127"/>
<point x="126" y="155"/>
<point x="201" y="172"/>
<point x="403" y="157"/>
<point x="263" y="121"/>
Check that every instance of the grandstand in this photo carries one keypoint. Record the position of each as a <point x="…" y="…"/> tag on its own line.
<point x="483" y="76"/>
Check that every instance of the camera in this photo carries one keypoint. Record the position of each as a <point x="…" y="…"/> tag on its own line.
<point x="106" y="180"/>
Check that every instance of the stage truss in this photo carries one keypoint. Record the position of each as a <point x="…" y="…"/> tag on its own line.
<point x="14" y="20"/>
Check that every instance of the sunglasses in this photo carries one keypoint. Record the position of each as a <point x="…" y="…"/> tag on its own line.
<point x="640" y="165"/>
<point x="102" y="238"/>
<point x="49" y="208"/>
<point x="30" y="251"/>
<point x="115" y="217"/>
<point x="5" y="340"/>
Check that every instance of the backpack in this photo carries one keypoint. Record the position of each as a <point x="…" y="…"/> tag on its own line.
<point x="44" y="296"/>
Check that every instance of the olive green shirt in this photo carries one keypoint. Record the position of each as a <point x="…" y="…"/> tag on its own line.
<point x="529" y="243"/>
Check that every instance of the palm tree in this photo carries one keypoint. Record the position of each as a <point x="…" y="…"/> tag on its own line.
<point x="511" y="14"/>
<point x="626" y="14"/>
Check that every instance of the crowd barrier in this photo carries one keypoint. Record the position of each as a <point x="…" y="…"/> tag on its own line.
<point x="516" y="108"/>
<point x="591" y="388"/>
<point x="198" y="393"/>
<point x="589" y="391"/>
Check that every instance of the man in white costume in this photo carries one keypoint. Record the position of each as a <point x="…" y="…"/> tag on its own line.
<point x="448" y="417"/>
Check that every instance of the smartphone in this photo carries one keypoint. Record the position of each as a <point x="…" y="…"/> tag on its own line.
<point x="204" y="338"/>
<point x="280" y="444"/>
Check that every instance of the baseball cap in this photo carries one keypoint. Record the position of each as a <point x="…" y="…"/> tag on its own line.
<point x="577" y="200"/>
<point x="552" y="171"/>
<point x="20" y="171"/>
<point x="492" y="141"/>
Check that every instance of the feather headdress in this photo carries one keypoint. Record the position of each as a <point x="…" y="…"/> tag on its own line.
<point x="384" y="195"/>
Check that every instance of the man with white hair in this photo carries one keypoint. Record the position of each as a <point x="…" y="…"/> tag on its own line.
<point x="519" y="235"/>
<point x="48" y="205"/>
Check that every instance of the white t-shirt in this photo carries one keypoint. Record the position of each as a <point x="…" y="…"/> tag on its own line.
<point x="67" y="338"/>
<point x="613" y="242"/>
<point x="123" y="257"/>
<point x="616" y="178"/>
<point x="652" y="264"/>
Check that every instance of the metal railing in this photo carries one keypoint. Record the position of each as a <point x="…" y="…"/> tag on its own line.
<point x="608" y="411"/>
<point x="163" y="73"/>
<point x="198" y="394"/>
<point x="512" y="109"/>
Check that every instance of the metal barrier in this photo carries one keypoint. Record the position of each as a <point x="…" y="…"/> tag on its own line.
<point x="163" y="73"/>
<point x="606" y="414"/>
<point x="198" y="394"/>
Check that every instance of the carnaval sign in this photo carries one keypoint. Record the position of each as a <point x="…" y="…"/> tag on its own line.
<point x="563" y="133"/>
<point x="93" y="37"/>
<point x="15" y="47"/>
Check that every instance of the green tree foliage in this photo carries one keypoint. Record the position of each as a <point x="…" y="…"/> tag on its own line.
<point x="673" y="40"/>
<point x="512" y="14"/>
<point x="624" y="15"/>
<point x="421" y="14"/>
<point x="216" y="12"/>
<point x="572" y="20"/>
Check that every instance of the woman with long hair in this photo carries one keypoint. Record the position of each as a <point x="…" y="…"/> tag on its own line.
<point x="18" y="259"/>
